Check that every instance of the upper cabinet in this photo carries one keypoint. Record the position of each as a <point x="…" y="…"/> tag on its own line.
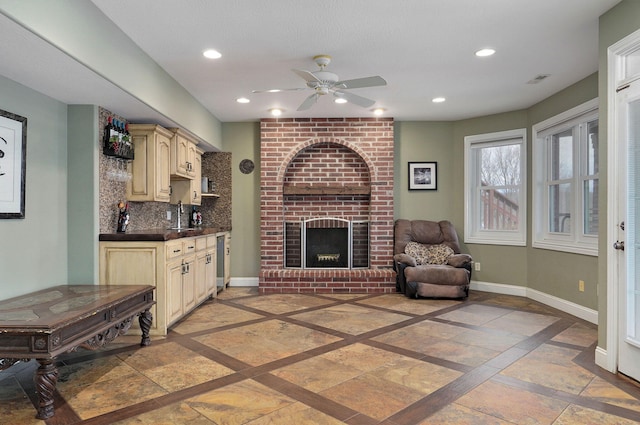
<point x="150" y="179"/>
<point x="183" y="155"/>
<point x="189" y="191"/>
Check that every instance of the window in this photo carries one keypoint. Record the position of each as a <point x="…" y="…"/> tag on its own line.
<point x="565" y="174"/>
<point x="495" y="198"/>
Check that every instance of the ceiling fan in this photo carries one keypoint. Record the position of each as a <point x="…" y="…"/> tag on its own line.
<point x="324" y="82"/>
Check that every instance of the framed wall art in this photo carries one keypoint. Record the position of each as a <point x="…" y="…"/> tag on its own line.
<point x="13" y="161"/>
<point x="423" y="176"/>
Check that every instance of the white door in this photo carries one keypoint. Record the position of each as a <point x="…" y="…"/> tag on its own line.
<point x="628" y="228"/>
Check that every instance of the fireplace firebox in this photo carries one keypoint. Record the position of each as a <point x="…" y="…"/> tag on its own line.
<point x="320" y="243"/>
<point x="327" y="248"/>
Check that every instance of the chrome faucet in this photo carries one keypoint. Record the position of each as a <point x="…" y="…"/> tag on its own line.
<point x="180" y="211"/>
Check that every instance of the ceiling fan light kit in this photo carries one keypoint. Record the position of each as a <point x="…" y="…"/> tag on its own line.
<point x="323" y="82"/>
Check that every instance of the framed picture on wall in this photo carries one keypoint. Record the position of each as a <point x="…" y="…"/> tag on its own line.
<point x="423" y="176"/>
<point x="13" y="151"/>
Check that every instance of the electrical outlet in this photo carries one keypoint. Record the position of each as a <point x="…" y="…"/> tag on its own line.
<point x="476" y="266"/>
<point x="581" y="285"/>
<point x="168" y="215"/>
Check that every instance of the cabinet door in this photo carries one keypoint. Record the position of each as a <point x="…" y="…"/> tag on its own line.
<point x="210" y="273"/>
<point x="132" y="263"/>
<point x="196" y="183"/>
<point x="179" y="162"/>
<point x="188" y="283"/>
<point x="162" y="176"/>
<point x="174" y="290"/>
<point x="201" y="275"/>
<point x="191" y="160"/>
<point x="150" y="166"/>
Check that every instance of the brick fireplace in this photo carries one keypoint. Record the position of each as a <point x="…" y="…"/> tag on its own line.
<point x="339" y="170"/>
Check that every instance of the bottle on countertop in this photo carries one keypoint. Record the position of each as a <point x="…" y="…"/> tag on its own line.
<point x="123" y="217"/>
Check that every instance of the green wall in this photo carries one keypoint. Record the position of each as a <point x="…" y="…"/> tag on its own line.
<point x="83" y="193"/>
<point x="243" y="141"/>
<point x="553" y="272"/>
<point x="33" y="251"/>
<point x="420" y="141"/>
<point x="492" y="257"/>
<point x="617" y="23"/>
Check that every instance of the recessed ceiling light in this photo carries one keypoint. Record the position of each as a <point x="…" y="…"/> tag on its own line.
<point x="340" y="100"/>
<point x="242" y="100"/>
<point x="212" y="54"/>
<point x="276" y="112"/>
<point x="485" y="52"/>
<point x="438" y="99"/>
<point x="379" y="111"/>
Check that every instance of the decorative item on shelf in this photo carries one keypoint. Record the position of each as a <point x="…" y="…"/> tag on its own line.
<point x="123" y="217"/>
<point x="204" y="185"/>
<point x="117" y="140"/>
<point x="196" y="218"/>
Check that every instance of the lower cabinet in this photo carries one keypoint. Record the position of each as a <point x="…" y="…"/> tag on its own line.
<point x="183" y="272"/>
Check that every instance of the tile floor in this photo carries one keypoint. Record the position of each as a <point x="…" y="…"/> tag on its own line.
<point x="341" y="359"/>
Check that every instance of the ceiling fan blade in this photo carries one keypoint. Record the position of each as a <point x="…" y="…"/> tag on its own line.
<point x="278" y="90"/>
<point x="308" y="102"/>
<point x="307" y="76"/>
<point x="361" y="82"/>
<point x="354" y="98"/>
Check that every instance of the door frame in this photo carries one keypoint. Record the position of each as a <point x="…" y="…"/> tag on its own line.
<point x="616" y="55"/>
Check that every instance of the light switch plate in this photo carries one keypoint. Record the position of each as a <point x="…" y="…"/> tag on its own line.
<point x="168" y="215"/>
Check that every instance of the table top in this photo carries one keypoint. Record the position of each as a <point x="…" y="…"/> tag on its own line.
<point x="56" y="306"/>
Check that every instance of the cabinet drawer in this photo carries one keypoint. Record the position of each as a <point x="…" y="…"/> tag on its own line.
<point x="189" y="245"/>
<point x="211" y="241"/>
<point x="201" y="243"/>
<point x="174" y="249"/>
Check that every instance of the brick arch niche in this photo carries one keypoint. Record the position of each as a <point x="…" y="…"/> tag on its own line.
<point x="339" y="168"/>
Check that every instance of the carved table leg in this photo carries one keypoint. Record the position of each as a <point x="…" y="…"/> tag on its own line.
<point x="145" y="325"/>
<point x="46" y="378"/>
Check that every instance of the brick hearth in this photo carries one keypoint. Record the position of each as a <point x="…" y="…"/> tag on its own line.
<point x="327" y="167"/>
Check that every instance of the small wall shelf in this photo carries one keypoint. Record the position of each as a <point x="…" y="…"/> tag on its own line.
<point x="210" y="195"/>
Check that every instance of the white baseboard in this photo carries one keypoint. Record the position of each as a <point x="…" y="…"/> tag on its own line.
<point x="499" y="288"/>
<point x="603" y="360"/>
<point x="244" y="281"/>
<point x="574" y="309"/>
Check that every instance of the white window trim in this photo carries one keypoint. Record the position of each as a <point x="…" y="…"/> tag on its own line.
<point x="577" y="242"/>
<point x="495" y="237"/>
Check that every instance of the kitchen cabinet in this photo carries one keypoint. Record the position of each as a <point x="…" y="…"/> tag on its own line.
<point x="205" y="268"/>
<point x="150" y="180"/>
<point x="189" y="191"/>
<point x="183" y="154"/>
<point x="182" y="270"/>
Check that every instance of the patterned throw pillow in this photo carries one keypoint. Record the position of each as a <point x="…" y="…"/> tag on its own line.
<point x="438" y="254"/>
<point x="418" y="251"/>
<point x="428" y="254"/>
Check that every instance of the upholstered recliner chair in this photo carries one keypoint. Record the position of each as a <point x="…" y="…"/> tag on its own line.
<point x="428" y="261"/>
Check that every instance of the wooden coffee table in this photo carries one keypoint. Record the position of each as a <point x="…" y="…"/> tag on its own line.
<point x="44" y="324"/>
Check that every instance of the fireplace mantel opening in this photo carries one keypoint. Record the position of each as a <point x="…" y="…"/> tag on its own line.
<point x="327" y="243"/>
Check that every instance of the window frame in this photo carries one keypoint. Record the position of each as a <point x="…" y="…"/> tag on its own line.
<point x="576" y="241"/>
<point x="472" y="231"/>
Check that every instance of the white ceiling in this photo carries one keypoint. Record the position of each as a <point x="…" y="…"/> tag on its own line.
<point x="422" y="48"/>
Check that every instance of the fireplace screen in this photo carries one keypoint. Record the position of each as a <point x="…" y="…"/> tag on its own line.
<point x="327" y="243"/>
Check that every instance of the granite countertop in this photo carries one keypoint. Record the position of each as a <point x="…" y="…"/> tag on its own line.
<point x="159" y="234"/>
